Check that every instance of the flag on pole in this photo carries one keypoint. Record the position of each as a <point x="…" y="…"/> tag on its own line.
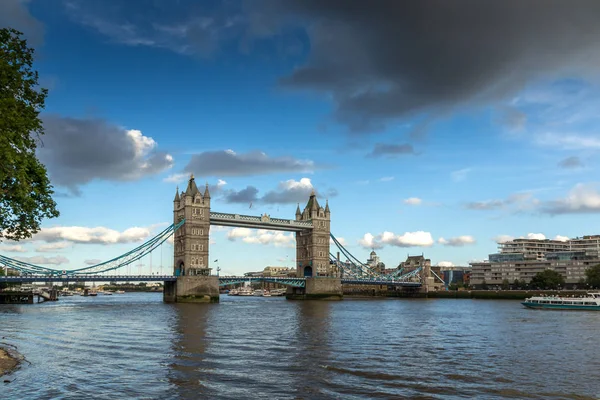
<point x="216" y="260"/>
<point x="250" y="205"/>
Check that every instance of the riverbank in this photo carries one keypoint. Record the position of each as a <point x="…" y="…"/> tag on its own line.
<point x="8" y="362"/>
<point x="468" y="294"/>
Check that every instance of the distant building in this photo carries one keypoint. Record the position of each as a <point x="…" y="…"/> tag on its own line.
<point x="375" y="263"/>
<point x="456" y="274"/>
<point x="279" y="271"/>
<point x="433" y="280"/>
<point x="522" y="259"/>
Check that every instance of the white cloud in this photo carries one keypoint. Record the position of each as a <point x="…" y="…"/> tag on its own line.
<point x="13" y="249"/>
<point x="408" y="239"/>
<point x="460" y="175"/>
<point x="445" y="264"/>
<point x="97" y="235"/>
<point x="568" y="141"/>
<point x="369" y="241"/>
<point x="93" y="261"/>
<point x="583" y="198"/>
<point x="57" y="260"/>
<point x="413" y="201"/>
<point x="339" y="239"/>
<point x="503" y="238"/>
<point x="177" y="178"/>
<point x="536" y="236"/>
<point x="457" y="241"/>
<point x="386" y="179"/>
<point x="50" y="247"/>
<point x="531" y="236"/>
<point x="262" y="236"/>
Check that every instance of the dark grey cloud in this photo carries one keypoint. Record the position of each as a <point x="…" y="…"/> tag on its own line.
<point x="571" y="162"/>
<point x="388" y="59"/>
<point x="287" y="192"/>
<point x="515" y="202"/>
<point x="15" y="14"/>
<point x="583" y="198"/>
<point x="512" y="118"/>
<point x="244" y="196"/>
<point x="77" y="151"/>
<point x="228" y="163"/>
<point x="486" y="205"/>
<point x="391" y="150"/>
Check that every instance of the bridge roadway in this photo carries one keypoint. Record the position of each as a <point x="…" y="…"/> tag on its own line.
<point x="223" y="280"/>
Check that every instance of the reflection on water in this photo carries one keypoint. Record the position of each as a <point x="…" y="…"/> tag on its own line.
<point x="134" y="346"/>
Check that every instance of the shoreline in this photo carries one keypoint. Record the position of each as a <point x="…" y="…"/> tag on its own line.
<point x="9" y="361"/>
<point x="463" y="294"/>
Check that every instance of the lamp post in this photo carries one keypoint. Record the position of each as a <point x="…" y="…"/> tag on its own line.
<point x="218" y="269"/>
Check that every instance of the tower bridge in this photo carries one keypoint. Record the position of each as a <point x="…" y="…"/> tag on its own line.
<point x="319" y="274"/>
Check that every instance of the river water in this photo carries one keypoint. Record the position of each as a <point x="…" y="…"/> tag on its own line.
<point x="136" y="347"/>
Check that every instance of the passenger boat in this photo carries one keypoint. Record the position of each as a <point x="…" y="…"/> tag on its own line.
<point x="589" y="302"/>
<point x="246" y="291"/>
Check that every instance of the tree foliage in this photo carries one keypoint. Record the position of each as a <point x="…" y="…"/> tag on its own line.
<point x="592" y="276"/>
<point x="547" y="279"/>
<point x="25" y="190"/>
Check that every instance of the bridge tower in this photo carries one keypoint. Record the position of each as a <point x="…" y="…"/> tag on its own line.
<point x="191" y="240"/>
<point x="312" y="255"/>
<point x="191" y="260"/>
<point x="312" y="245"/>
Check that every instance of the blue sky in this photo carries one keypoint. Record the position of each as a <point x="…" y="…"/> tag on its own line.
<point x="423" y="139"/>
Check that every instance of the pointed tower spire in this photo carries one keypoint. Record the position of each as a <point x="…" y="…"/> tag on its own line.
<point x="176" y="195"/>
<point x="327" y="206"/>
<point x="206" y="192"/>
<point x="298" y="209"/>
<point x="192" y="189"/>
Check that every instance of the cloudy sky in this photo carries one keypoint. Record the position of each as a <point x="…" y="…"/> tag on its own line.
<point x="432" y="127"/>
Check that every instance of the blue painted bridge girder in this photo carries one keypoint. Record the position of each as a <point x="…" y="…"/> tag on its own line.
<point x="223" y="280"/>
<point x="87" y="278"/>
<point x="234" y="280"/>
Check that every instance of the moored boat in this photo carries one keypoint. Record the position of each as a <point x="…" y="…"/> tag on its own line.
<point x="590" y="302"/>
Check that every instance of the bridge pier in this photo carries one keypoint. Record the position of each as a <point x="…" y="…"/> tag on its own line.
<point x="192" y="289"/>
<point x="319" y="288"/>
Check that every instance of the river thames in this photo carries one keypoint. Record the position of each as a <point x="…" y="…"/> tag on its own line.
<point x="134" y="346"/>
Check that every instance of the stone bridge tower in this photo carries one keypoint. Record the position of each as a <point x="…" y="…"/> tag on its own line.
<point x="312" y="245"/>
<point x="191" y="240"/>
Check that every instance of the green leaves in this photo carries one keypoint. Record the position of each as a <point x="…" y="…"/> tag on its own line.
<point x="25" y="190"/>
<point x="592" y="275"/>
<point x="547" y="279"/>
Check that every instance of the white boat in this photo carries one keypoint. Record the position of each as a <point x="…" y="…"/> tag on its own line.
<point x="266" y="293"/>
<point x="119" y="292"/>
<point x="246" y="291"/>
<point x="233" y="292"/>
<point x="590" y="302"/>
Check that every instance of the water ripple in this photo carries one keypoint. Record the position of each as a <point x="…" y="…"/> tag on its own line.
<point x="134" y="346"/>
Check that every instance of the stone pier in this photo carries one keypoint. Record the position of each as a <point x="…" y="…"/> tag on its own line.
<point x="192" y="289"/>
<point x="319" y="288"/>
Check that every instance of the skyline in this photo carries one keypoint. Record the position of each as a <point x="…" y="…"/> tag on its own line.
<point x="422" y="141"/>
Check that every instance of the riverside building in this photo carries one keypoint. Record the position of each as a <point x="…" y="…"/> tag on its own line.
<point x="522" y="259"/>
